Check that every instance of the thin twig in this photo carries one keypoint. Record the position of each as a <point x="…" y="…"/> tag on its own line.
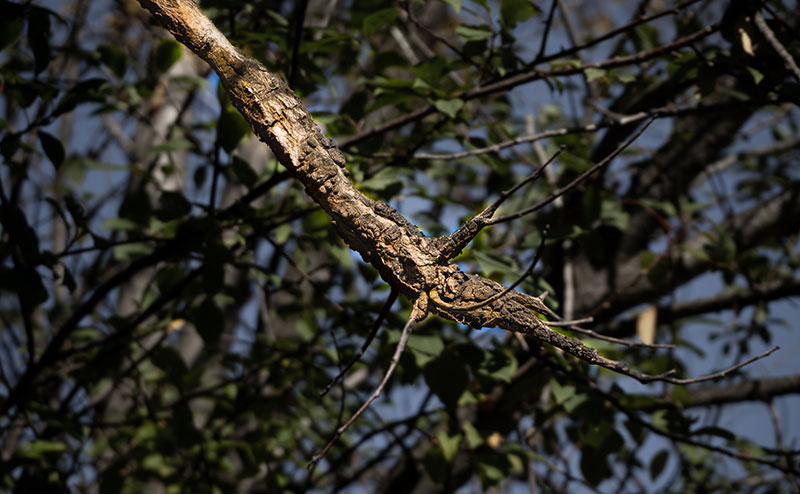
<point x="615" y="120"/>
<point x="489" y="211"/>
<point x="417" y="314"/>
<point x="387" y="306"/>
<point x="614" y="32"/>
<point x="547" y="25"/>
<point x="776" y="45"/>
<point x="677" y="437"/>
<point x="511" y="82"/>
<point x="454" y="243"/>
<point x="583" y="176"/>
<point x="568" y="269"/>
<point x="302" y="272"/>
<point x="724" y="372"/>
<point x="572" y="322"/>
<point x="598" y="336"/>
<point x="299" y="20"/>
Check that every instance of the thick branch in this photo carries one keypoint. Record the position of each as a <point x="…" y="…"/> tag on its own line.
<point x="409" y="261"/>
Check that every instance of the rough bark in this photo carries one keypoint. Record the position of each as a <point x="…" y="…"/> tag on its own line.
<point x="416" y="265"/>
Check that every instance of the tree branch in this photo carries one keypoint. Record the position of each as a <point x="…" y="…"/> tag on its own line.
<point x="408" y="260"/>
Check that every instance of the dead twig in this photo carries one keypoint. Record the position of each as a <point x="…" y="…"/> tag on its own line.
<point x="583" y="176"/>
<point x="762" y="26"/>
<point x="418" y="313"/>
<point x="387" y="306"/>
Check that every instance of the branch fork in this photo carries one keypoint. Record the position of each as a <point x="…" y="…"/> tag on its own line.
<point x="413" y="264"/>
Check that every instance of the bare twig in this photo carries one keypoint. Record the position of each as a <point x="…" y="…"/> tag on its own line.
<point x="776" y="45"/>
<point x="418" y="313"/>
<point x="387" y="306"/>
<point x="547" y="25"/>
<point x="680" y="438"/>
<point x="454" y="243"/>
<point x="303" y="274"/>
<point x="615" y="120"/>
<point x="567" y="270"/>
<point x="666" y="377"/>
<point x="438" y="37"/>
<point x="615" y="32"/>
<point x="511" y="82"/>
<point x="569" y="323"/>
<point x="583" y="176"/>
<point x="299" y="19"/>
<point x="598" y="336"/>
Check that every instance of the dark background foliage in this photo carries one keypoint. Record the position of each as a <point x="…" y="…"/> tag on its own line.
<point x="173" y="304"/>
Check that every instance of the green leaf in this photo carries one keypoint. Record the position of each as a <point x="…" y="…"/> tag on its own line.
<point x="90" y="90"/>
<point x="16" y="226"/>
<point x="10" y="28"/>
<point x="612" y="214"/>
<point x="42" y="447"/>
<point x="449" y="107"/>
<point x="431" y="71"/>
<point x="39" y="37"/>
<point x="28" y="283"/>
<point x="231" y="129"/>
<point x="166" y="54"/>
<point x="514" y="11"/>
<point x="379" y="20"/>
<point x="435" y="464"/>
<point x="52" y="148"/>
<point x="594" y="465"/>
<point x="593" y="73"/>
<point x="136" y="207"/>
<point x="209" y="321"/>
<point x="493" y="266"/>
<point x="449" y="444"/>
<point x="456" y="4"/>
<point x="424" y="347"/>
<point x="473" y="33"/>
<point x="493" y="467"/>
<point x="657" y="463"/>
<point x="385" y="183"/>
<point x="447" y="377"/>
<point x="499" y="365"/>
<point x="119" y="224"/>
<point x="757" y="76"/>
<point x="172" y="205"/>
<point x="474" y="438"/>
<point x="561" y="393"/>
<point x="126" y="252"/>
<point x="214" y="268"/>
<point x="715" y="431"/>
<point x="244" y="172"/>
<point x="170" y="361"/>
<point x="114" y="58"/>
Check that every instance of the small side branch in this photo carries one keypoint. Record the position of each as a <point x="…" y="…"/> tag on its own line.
<point x="387" y="306"/>
<point x="762" y="26"/>
<point x="583" y="176"/>
<point x="418" y="313"/>
<point x="667" y="376"/>
<point x="611" y="339"/>
<point x="451" y="245"/>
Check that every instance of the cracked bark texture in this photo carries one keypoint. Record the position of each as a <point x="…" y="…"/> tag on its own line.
<point x="418" y="265"/>
<point x="406" y="259"/>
